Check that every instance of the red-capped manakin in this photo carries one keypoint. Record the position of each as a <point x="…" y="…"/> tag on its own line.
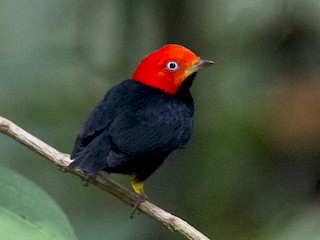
<point x="142" y="120"/>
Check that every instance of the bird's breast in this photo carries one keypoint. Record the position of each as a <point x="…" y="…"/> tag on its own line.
<point x="176" y="113"/>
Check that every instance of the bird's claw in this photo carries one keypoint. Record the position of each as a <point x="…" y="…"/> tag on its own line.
<point x="86" y="181"/>
<point x="142" y="198"/>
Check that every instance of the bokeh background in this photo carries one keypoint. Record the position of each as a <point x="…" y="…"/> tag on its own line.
<point x="250" y="171"/>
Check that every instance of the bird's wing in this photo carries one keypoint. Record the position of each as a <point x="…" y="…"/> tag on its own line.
<point x="95" y="124"/>
<point x="92" y="146"/>
<point x="101" y="117"/>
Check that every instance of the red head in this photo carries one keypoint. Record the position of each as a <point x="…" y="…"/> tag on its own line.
<point x="167" y="67"/>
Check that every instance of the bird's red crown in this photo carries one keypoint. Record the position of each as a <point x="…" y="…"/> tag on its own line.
<point x="167" y="67"/>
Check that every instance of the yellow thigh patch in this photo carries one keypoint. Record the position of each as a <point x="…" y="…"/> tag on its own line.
<point x="137" y="186"/>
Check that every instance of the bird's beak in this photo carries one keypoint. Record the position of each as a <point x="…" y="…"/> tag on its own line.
<point x="200" y="64"/>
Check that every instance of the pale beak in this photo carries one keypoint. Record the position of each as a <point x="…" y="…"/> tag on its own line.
<point x="200" y="64"/>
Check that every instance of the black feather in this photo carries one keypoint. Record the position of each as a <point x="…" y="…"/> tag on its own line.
<point x="133" y="129"/>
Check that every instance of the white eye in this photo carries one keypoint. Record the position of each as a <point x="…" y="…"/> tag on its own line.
<point x="172" y="65"/>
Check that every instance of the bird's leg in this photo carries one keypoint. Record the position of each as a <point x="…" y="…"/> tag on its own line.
<point x="86" y="181"/>
<point x="138" y="188"/>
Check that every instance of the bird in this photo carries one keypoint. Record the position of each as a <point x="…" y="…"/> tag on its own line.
<point x="141" y="120"/>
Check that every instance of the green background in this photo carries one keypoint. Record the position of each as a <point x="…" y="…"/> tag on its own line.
<point x="252" y="166"/>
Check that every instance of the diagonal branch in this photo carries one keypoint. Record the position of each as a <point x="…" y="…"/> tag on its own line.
<point x="62" y="161"/>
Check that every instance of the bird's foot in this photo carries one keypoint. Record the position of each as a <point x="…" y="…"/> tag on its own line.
<point x="142" y="198"/>
<point x="62" y="169"/>
<point x="86" y="181"/>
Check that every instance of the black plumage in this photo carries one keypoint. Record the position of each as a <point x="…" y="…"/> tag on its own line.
<point x="133" y="129"/>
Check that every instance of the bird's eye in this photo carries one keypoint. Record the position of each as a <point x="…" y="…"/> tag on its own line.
<point x="172" y="65"/>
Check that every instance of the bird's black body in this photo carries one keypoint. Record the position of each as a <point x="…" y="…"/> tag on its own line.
<point x="133" y="129"/>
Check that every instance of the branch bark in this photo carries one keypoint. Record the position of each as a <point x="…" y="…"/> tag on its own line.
<point x="62" y="160"/>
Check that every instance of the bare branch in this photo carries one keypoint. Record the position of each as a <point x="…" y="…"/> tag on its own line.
<point x="62" y="160"/>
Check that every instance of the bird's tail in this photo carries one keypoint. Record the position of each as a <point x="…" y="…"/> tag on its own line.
<point x="93" y="157"/>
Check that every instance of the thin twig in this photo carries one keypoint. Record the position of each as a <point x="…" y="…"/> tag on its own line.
<point x="62" y="160"/>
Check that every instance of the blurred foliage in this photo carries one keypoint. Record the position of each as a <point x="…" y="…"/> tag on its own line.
<point x="252" y="167"/>
<point x="27" y="212"/>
